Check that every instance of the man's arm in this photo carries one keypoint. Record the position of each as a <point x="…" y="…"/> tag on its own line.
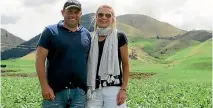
<point x="41" y="54"/>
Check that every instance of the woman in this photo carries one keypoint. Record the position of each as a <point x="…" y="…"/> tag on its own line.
<point x="106" y="80"/>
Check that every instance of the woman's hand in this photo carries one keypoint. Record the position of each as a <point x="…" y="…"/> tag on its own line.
<point x="121" y="97"/>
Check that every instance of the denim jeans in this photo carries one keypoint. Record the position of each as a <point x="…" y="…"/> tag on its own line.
<point x="67" y="98"/>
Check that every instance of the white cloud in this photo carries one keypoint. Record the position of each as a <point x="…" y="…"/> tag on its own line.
<point x="38" y="2"/>
<point x="9" y="19"/>
<point x="32" y="16"/>
<point x="193" y="14"/>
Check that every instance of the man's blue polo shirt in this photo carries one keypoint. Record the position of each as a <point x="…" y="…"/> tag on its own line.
<point x="67" y="54"/>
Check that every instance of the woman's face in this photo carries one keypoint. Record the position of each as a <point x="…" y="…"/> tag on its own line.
<point x="104" y="17"/>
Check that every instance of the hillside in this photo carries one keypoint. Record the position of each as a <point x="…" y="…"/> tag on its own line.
<point x="150" y="27"/>
<point x="87" y="21"/>
<point x="196" y="58"/>
<point x="8" y="40"/>
<point x="197" y="35"/>
<point x="30" y="56"/>
<point x="129" y="30"/>
<point x="20" y="50"/>
<point x="162" y="48"/>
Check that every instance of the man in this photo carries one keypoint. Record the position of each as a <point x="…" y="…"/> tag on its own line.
<point x="64" y="47"/>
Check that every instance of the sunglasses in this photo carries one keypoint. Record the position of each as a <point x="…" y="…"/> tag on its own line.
<point x="107" y="15"/>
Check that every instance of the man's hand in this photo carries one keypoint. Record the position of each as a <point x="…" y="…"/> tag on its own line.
<point x="48" y="93"/>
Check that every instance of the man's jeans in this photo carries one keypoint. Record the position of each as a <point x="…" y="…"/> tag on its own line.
<point x="67" y="98"/>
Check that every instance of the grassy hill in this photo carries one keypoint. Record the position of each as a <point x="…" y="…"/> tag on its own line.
<point x="129" y="30"/>
<point x="202" y="51"/>
<point x="20" y="50"/>
<point x="9" y="40"/>
<point x="192" y="63"/>
<point x="150" y="27"/>
<point x="162" y="48"/>
<point x="197" y="35"/>
<point x="30" y="56"/>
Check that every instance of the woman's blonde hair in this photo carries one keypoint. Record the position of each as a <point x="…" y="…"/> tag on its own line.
<point x="113" y="16"/>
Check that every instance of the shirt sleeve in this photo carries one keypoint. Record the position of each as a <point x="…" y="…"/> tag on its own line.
<point x="90" y="38"/>
<point x="122" y="39"/>
<point x="44" y="40"/>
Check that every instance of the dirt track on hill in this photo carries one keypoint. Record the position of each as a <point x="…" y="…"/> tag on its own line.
<point x="141" y="75"/>
<point x="19" y="75"/>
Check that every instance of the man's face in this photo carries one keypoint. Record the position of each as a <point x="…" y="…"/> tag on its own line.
<point x="71" y="16"/>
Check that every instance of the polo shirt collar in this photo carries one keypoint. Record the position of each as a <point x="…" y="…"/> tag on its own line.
<point x="60" y="24"/>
